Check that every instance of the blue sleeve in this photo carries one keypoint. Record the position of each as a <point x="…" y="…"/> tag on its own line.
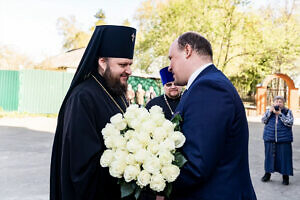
<point x="266" y="116"/>
<point x="287" y="119"/>
<point x="207" y="113"/>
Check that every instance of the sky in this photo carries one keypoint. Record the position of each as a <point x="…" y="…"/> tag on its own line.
<point x="29" y="26"/>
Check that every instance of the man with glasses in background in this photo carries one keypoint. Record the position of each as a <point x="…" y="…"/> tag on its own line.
<point x="171" y="97"/>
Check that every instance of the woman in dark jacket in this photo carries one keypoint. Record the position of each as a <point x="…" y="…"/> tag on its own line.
<point x="278" y="138"/>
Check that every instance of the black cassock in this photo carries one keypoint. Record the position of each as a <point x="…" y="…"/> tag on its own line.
<point x="78" y="145"/>
<point x="160" y="101"/>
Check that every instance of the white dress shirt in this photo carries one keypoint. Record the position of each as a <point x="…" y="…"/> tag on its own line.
<point x="195" y="74"/>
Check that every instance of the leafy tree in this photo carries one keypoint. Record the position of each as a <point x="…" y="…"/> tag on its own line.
<point x="11" y="59"/>
<point x="126" y="22"/>
<point x="247" y="44"/>
<point x="74" y="38"/>
<point x="100" y="16"/>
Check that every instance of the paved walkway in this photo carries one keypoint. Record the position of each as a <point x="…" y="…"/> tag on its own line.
<point x="25" y="152"/>
<point x="272" y="190"/>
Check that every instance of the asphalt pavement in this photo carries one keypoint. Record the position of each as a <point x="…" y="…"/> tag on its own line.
<point x="25" y="164"/>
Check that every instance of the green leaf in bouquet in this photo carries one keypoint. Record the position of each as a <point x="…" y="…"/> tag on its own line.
<point x="179" y="159"/>
<point x="126" y="129"/>
<point x="138" y="191"/>
<point x="177" y="128"/>
<point x="176" y="120"/>
<point x="168" y="190"/>
<point x="127" y="188"/>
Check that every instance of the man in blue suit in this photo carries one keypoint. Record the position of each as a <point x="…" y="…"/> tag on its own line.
<point x="214" y="124"/>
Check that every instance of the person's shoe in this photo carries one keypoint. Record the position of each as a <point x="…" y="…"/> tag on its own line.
<point x="285" y="180"/>
<point x="266" y="177"/>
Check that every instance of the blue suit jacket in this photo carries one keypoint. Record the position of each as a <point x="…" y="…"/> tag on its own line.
<point x="216" y="147"/>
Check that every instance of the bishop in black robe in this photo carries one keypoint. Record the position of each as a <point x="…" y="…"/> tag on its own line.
<point x="76" y="173"/>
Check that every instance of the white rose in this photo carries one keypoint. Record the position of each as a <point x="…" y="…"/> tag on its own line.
<point x="129" y="134"/>
<point x="131" y="172"/>
<point x="117" y="168"/>
<point x="153" y="146"/>
<point x="152" y="165"/>
<point x="121" y="126"/>
<point x="132" y="108"/>
<point x="109" y="142"/>
<point x="170" y="172"/>
<point x="135" y="124"/>
<point x="178" y="138"/>
<point x="157" y="118"/>
<point x="130" y="159"/>
<point x="141" y="155"/>
<point x="109" y="130"/>
<point x="120" y="155"/>
<point x="106" y="158"/>
<point x="168" y="126"/>
<point x="168" y="144"/>
<point x="134" y="145"/>
<point x="157" y="183"/>
<point x="165" y="157"/>
<point x="148" y="126"/>
<point x="143" y="137"/>
<point x="156" y="109"/>
<point x="115" y="142"/>
<point x="120" y="142"/>
<point x="131" y="114"/>
<point x="143" y="178"/>
<point x="118" y="121"/>
<point x="116" y="118"/>
<point x="159" y="134"/>
<point x="141" y="116"/>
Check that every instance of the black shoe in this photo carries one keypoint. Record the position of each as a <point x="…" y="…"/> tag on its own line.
<point x="285" y="180"/>
<point x="266" y="177"/>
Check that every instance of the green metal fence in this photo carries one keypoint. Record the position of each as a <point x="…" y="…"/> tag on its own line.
<point x="40" y="91"/>
<point x="9" y="90"/>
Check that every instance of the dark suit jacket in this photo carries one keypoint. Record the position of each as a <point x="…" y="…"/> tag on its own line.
<point x="216" y="131"/>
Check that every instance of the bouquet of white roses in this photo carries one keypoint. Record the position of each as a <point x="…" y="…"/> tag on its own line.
<point x="141" y="150"/>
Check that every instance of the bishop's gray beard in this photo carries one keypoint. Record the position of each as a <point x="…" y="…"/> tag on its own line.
<point x="114" y="83"/>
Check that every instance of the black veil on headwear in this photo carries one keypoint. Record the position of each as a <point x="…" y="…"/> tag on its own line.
<point x="106" y="41"/>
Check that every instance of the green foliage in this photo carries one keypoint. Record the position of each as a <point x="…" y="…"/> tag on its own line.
<point x="12" y="59"/>
<point x="100" y="16"/>
<point x="179" y="159"/>
<point x="177" y="119"/>
<point x="138" y="191"/>
<point x="74" y="38"/>
<point x="126" y="22"/>
<point x="247" y="44"/>
<point x="127" y="188"/>
<point x="168" y="190"/>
